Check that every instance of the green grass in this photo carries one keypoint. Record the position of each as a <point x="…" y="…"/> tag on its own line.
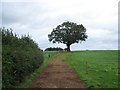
<point x="30" y="78"/>
<point x="98" y="69"/>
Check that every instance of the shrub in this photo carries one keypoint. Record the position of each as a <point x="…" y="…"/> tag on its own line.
<point x="20" y="57"/>
<point x="54" y="49"/>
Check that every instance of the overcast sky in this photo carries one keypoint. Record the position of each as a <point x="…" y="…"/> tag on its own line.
<point x="39" y="17"/>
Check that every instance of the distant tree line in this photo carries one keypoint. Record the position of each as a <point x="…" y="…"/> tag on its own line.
<point x="20" y="57"/>
<point x="54" y="49"/>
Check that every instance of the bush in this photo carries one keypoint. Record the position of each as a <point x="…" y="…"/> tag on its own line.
<point x="20" y="57"/>
<point x="54" y="49"/>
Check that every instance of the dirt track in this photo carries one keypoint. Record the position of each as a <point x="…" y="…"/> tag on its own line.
<point x="57" y="75"/>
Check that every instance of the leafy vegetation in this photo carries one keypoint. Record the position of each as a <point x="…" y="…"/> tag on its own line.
<point x="20" y="57"/>
<point x="68" y="33"/>
<point x="32" y="76"/>
<point x="0" y="61"/>
<point x="53" y="49"/>
<point x="98" y="69"/>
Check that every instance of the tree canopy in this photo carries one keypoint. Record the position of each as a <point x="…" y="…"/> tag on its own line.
<point x="68" y="33"/>
<point x="53" y="49"/>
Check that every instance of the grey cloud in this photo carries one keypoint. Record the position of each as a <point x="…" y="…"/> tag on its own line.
<point x="21" y="12"/>
<point x="40" y="18"/>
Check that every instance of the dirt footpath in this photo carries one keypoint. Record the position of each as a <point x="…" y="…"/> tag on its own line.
<point x="57" y="75"/>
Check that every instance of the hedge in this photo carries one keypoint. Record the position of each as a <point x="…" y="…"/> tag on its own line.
<point x="20" y="57"/>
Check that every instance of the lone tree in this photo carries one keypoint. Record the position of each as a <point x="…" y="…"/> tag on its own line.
<point x="68" y="33"/>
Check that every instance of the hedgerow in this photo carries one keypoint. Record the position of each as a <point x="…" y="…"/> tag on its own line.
<point x="20" y="57"/>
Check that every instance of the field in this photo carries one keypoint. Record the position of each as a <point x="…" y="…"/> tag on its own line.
<point x="48" y="55"/>
<point x="30" y="78"/>
<point x="98" y="69"/>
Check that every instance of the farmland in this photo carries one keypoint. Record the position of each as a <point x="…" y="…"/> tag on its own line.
<point x="98" y="69"/>
<point x="23" y="60"/>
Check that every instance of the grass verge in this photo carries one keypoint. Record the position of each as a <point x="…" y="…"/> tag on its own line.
<point x="27" y="82"/>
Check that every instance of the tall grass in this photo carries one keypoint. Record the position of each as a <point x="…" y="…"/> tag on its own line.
<point x="98" y="69"/>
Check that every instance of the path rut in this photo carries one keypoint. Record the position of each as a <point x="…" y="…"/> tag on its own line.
<point x="57" y="75"/>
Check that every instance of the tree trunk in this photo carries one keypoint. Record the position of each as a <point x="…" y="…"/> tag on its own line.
<point x="68" y="48"/>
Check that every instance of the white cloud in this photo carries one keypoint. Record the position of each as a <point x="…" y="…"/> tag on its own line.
<point x="39" y="17"/>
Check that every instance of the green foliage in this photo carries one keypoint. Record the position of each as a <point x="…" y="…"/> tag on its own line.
<point x="54" y="49"/>
<point x="20" y="57"/>
<point x="98" y="69"/>
<point x="68" y="33"/>
<point x="26" y="84"/>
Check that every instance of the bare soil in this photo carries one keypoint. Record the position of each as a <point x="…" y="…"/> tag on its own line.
<point x="57" y="75"/>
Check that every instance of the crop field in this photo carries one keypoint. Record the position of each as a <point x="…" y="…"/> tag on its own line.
<point x="98" y="69"/>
